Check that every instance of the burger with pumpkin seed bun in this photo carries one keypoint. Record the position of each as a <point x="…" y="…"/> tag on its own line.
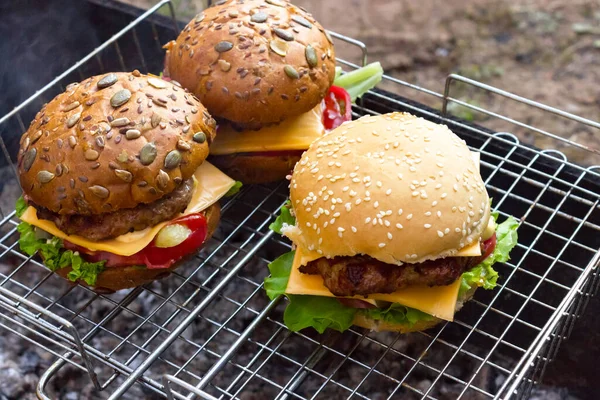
<point x="262" y="68"/>
<point x="392" y="228"/>
<point x="116" y="189"/>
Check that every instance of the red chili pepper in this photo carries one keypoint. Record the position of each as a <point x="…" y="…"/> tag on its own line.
<point x="151" y="256"/>
<point x="337" y="107"/>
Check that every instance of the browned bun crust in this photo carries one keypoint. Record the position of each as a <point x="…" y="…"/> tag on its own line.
<point x="253" y="169"/>
<point x="379" y="326"/>
<point x="238" y="67"/>
<point x="113" y="279"/>
<point x="77" y="157"/>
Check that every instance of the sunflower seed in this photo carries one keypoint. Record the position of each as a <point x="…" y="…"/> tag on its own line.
<point x="276" y="3"/>
<point x="100" y="191"/>
<point x="107" y="81"/>
<point x="91" y="155"/>
<point x="173" y="159"/>
<point x="71" y="106"/>
<point x="183" y="145"/>
<point x="279" y="47"/>
<point x="100" y="141"/>
<point x="311" y="56"/>
<point x="199" y="137"/>
<point x="224" y="65"/>
<point x="328" y="36"/>
<point x="291" y="72"/>
<point x="133" y="134"/>
<point x="59" y="169"/>
<point x="223" y="46"/>
<point x="124" y="175"/>
<point x="148" y="154"/>
<point x="45" y="176"/>
<point x="73" y="119"/>
<point x="285" y="35"/>
<point x="154" y="120"/>
<point x="302" y="21"/>
<point x="162" y="180"/>
<point x="72" y="141"/>
<point x="120" y="98"/>
<point x="259" y="17"/>
<point x="25" y="145"/>
<point x="29" y="158"/>
<point x="120" y="122"/>
<point x="157" y="83"/>
<point x="36" y="136"/>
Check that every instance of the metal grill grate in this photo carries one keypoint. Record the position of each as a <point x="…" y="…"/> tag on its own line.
<point x="208" y="329"/>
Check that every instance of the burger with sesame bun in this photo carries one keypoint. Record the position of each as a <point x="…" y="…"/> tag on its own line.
<point x="392" y="228"/>
<point x="116" y="189"/>
<point x="264" y="69"/>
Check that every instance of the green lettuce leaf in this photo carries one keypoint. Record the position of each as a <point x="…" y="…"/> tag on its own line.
<point x="280" y="269"/>
<point x="483" y="275"/>
<point x="317" y="312"/>
<point x="284" y="217"/>
<point x="234" y="189"/>
<point x="20" y="206"/>
<point x="397" y="314"/>
<point x="56" y="257"/>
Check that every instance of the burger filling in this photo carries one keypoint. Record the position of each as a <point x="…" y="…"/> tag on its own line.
<point x="398" y="295"/>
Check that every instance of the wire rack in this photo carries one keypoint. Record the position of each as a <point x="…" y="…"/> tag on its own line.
<point x="209" y="331"/>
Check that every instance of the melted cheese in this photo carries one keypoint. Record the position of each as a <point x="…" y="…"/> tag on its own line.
<point x="210" y="185"/>
<point x="292" y="134"/>
<point x="439" y="301"/>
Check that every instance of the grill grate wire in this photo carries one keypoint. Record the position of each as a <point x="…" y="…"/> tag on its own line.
<point x="208" y="331"/>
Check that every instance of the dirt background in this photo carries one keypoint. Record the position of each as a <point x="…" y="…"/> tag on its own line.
<point x="545" y="50"/>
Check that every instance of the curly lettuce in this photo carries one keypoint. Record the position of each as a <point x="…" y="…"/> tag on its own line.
<point x="285" y="218"/>
<point x="53" y="252"/>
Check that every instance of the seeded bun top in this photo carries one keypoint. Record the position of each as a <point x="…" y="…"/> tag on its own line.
<point x="253" y="62"/>
<point x="395" y="187"/>
<point x="112" y="142"/>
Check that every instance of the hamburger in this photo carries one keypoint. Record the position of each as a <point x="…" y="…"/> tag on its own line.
<point x="116" y="189"/>
<point x="262" y="68"/>
<point x="392" y="228"/>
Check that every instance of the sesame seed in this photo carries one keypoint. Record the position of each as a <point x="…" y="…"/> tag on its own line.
<point x="389" y="235"/>
<point x="412" y="169"/>
<point x="439" y="214"/>
<point x="447" y="231"/>
<point x="440" y="234"/>
<point x="428" y="213"/>
<point x="367" y="220"/>
<point x="415" y="193"/>
<point x="457" y="230"/>
<point x="357" y="202"/>
<point x="381" y="245"/>
<point x="399" y="226"/>
<point x="409" y="217"/>
<point x="348" y="206"/>
<point x="434" y="203"/>
<point x="340" y="229"/>
<point x="353" y="229"/>
<point x="444" y="195"/>
<point x="400" y="176"/>
<point x="376" y="204"/>
<point x="388" y="192"/>
<point x="345" y="189"/>
<point x="455" y="187"/>
<point x="386" y="222"/>
<point x="379" y="184"/>
<point x="427" y="226"/>
<point x="400" y="211"/>
<point x="438" y="186"/>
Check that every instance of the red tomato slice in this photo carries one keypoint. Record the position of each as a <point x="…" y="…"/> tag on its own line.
<point x="337" y="107"/>
<point x="151" y="256"/>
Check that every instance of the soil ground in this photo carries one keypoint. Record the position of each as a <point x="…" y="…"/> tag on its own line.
<point x="545" y="50"/>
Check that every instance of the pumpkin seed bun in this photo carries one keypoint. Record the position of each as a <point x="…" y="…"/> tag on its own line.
<point x="253" y="62"/>
<point x="119" y="278"/>
<point x="395" y="187"/>
<point x="112" y="142"/>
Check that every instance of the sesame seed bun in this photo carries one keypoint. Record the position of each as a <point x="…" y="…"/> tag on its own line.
<point x="381" y="326"/>
<point x="112" y="142"/>
<point x="395" y="187"/>
<point x="253" y="62"/>
<point x="119" y="278"/>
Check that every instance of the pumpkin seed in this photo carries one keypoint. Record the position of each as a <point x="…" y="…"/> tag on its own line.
<point x="45" y="176"/>
<point x="302" y="21"/>
<point x="162" y="180"/>
<point x="285" y="35"/>
<point x="107" y="81"/>
<point x="29" y="158"/>
<point x="100" y="191"/>
<point x="36" y="136"/>
<point x="120" y="98"/>
<point x="199" y="137"/>
<point x="199" y="18"/>
<point x="291" y="72"/>
<point x="279" y="47"/>
<point x="157" y="83"/>
<point x="148" y="154"/>
<point x="91" y="155"/>
<point x="133" y="134"/>
<point x="223" y="46"/>
<point x="311" y="56"/>
<point x="73" y="119"/>
<point x="259" y="17"/>
<point x="173" y="159"/>
<point x="124" y="175"/>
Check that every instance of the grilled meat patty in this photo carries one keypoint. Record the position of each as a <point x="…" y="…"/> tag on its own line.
<point x="110" y="225"/>
<point x="363" y="275"/>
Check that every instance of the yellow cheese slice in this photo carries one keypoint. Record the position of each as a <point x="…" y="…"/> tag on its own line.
<point x="292" y="134"/>
<point x="439" y="301"/>
<point x="210" y="185"/>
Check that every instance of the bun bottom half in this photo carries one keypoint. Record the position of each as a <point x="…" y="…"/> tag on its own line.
<point x="254" y="169"/>
<point x="112" y="279"/>
<point x="381" y="326"/>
